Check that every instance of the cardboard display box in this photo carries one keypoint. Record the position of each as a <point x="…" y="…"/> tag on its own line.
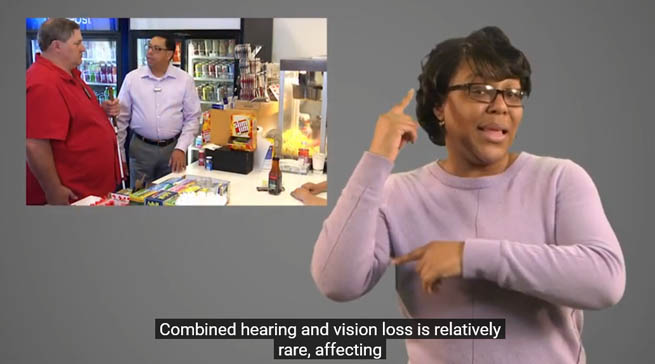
<point x="220" y="124"/>
<point x="266" y="115"/>
<point x="266" y="112"/>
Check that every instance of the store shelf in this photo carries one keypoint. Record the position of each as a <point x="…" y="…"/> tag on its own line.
<point x="99" y="60"/>
<point x="100" y="84"/>
<point x="202" y="79"/>
<point x="231" y="58"/>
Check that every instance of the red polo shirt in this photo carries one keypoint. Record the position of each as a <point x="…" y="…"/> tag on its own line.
<point x="82" y="138"/>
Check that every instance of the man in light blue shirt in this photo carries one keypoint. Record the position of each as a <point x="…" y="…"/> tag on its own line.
<point x="160" y="104"/>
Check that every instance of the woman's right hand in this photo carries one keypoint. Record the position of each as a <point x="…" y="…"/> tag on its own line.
<point x="394" y="129"/>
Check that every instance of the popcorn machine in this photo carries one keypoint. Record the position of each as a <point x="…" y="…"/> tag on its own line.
<point x="303" y="106"/>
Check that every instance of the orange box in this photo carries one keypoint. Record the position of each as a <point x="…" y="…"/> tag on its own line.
<point x="267" y="112"/>
<point x="221" y="120"/>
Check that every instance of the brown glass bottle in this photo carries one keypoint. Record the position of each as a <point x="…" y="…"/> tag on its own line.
<point x="275" y="176"/>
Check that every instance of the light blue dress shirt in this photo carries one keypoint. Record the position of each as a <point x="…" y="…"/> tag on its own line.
<point x="159" y="108"/>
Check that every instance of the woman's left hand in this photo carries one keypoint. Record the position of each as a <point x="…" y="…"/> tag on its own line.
<point x="434" y="261"/>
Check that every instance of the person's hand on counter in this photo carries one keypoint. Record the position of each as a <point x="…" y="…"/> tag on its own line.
<point x="307" y="198"/>
<point x="315" y="188"/>
<point x="111" y="107"/>
<point x="177" y="161"/>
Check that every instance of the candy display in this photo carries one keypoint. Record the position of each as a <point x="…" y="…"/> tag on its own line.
<point x="201" y="198"/>
<point x="159" y="198"/>
<point x="168" y="192"/>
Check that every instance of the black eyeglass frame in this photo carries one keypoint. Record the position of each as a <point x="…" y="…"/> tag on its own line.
<point x="467" y="87"/>
<point x="158" y="49"/>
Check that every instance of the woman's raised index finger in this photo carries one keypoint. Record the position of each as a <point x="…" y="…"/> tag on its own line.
<point x="400" y="107"/>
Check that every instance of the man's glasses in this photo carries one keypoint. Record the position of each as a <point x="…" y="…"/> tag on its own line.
<point x="157" y="49"/>
<point x="487" y="93"/>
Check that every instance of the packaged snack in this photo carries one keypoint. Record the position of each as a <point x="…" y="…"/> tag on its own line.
<point x="206" y="127"/>
<point x="141" y="195"/>
<point x="121" y="197"/>
<point x="104" y="202"/>
<point x="243" y="136"/>
<point x="159" y="198"/>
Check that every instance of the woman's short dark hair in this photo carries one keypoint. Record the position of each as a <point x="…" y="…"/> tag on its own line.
<point x="60" y="29"/>
<point x="490" y="55"/>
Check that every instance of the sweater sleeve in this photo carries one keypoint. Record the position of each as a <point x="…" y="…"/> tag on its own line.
<point x="583" y="268"/>
<point x="352" y="250"/>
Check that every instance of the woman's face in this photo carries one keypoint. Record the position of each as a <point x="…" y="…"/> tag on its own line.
<point x="477" y="133"/>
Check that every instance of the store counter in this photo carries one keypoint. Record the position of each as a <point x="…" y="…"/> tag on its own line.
<point x="243" y="187"/>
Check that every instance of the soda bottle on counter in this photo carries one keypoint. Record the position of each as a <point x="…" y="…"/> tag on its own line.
<point x="275" y="175"/>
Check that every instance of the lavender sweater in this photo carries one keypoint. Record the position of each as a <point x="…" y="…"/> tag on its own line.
<point x="538" y="250"/>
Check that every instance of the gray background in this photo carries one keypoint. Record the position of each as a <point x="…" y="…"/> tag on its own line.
<point x="84" y="285"/>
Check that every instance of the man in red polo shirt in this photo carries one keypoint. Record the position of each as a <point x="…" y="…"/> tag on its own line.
<point x="71" y="145"/>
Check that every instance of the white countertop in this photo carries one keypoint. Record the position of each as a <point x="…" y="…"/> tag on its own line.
<point x="243" y="187"/>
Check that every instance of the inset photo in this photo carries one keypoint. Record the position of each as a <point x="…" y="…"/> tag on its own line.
<point x="176" y="111"/>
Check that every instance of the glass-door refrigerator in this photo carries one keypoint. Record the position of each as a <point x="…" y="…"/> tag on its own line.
<point x="139" y="40"/>
<point x="213" y="65"/>
<point x="101" y="66"/>
<point x="206" y="54"/>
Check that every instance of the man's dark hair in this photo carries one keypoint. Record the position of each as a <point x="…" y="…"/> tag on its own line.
<point x="169" y="43"/>
<point x="60" y="29"/>
<point x="490" y="55"/>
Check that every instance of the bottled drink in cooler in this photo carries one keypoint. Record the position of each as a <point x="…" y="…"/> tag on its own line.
<point x="176" y="55"/>
<point x="201" y="48"/>
<point x="91" y="72"/>
<point x="230" y="47"/>
<point x="103" y="75"/>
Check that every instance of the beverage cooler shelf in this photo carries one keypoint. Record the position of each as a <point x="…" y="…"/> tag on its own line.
<point x="100" y="84"/>
<point x="203" y="79"/>
<point x="212" y="57"/>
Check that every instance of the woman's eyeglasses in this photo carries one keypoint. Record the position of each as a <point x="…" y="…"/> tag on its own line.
<point x="487" y="93"/>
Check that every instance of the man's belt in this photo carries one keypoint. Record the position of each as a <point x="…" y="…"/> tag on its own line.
<point x="159" y="143"/>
